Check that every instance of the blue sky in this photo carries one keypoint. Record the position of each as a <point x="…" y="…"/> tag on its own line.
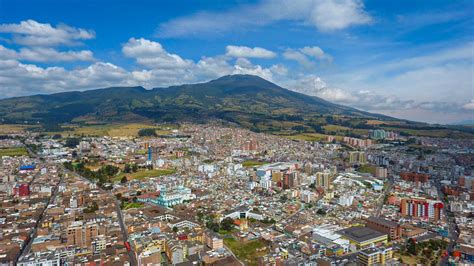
<point x="409" y="59"/>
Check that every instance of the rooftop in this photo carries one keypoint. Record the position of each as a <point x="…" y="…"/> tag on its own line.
<point x="382" y="221"/>
<point x="360" y="233"/>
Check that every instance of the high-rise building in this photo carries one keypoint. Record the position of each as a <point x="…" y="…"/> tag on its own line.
<point x="381" y="172"/>
<point x="81" y="234"/>
<point x="357" y="157"/>
<point x="421" y="208"/>
<point x="290" y="180"/>
<point x="323" y="179"/>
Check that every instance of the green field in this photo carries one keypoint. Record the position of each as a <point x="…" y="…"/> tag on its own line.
<point x="113" y="130"/>
<point x="133" y="205"/>
<point x="252" y="163"/>
<point x="248" y="252"/>
<point x="366" y="168"/>
<point x="17" y="151"/>
<point x="311" y="137"/>
<point x="146" y="173"/>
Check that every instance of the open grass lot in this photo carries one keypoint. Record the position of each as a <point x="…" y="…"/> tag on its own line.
<point x="252" y="163"/>
<point x="18" y="151"/>
<point x="366" y="168"/>
<point x="12" y="129"/>
<point x="112" y="130"/>
<point x="133" y="205"/>
<point x="335" y="128"/>
<point x="248" y="252"/>
<point x="311" y="137"/>
<point x="141" y="174"/>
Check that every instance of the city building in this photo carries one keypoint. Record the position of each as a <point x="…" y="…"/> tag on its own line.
<point x="375" y="255"/>
<point x="421" y="208"/>
<point x="392" y="229"/>
<point x="414" y="177"/>
<point x="81" y="234"/>
<point x="362" y="237"/>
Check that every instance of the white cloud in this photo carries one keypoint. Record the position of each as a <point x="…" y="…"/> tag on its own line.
<point x="325" y="15"/>
<point x="299" y="57"/>
<point x="392" y="105"/>
<point x="316" y="52"/>
<point x="152" y="55"/>
<point x="162" y="69"/>
<point x="330" y="15"/>
<point x="307" y="56"/>
<point x="33" y="33"/>
<point x="469" y="105"/>
<point x="243" y="51"/>
<point x="42" y="54"/>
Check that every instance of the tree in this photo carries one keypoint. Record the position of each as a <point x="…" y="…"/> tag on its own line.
<point x="175" y="229"/>
<point x="123" y="180"/>
<point x="72" y="142"/>
<point x="212" y="226"/>
<point x="321" y="212"/>
<point x="147" y="132"/>
<point x="227" y="224"/>
<point x="411" y="247"/>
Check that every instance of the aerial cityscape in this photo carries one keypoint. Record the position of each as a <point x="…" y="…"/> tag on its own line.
<point x="324" y="132"/>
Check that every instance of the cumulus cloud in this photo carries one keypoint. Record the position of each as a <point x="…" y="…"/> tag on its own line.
<point x="243" y="51"/>
<point x="152" y="55"/>
<point x="43" y="54"/>
<point x="316" y="52"/>
<point x="33" y="33"/>
<point x="330" y="15"/>
<point x="161" y="68"/>
<point x="325" y="15"/>
<point x="469" y="105"/>
<point x="372" y="101"/>
<point x="441" y="75"/>
<point x="299" y="57"/>
<point x="307" y="56"/>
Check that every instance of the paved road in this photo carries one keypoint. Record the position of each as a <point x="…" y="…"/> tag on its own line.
<point x="26" y="249"/>
<point x="452" y="233"/>
<point x="386" y="192"/>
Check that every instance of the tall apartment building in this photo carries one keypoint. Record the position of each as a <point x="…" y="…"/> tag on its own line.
<point x="290" y="180"/>
<point x="357" y="157"/>
<point x="82" y="234"/>
<point x="323" y="179"/>
<point x="421" y="208"/>
<point x="381" y="172"/>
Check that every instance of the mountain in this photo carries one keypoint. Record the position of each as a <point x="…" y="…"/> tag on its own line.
<point x="469" y="122"/>
<point x="247" y="100"/>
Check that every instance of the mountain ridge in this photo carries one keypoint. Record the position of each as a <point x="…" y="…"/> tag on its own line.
<point x="247" y="100"/>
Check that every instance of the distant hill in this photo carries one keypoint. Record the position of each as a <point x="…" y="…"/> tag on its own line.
<point x="247" y="100"/>
<point x="464" y="123"/>
<point x="227" y="98"/>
